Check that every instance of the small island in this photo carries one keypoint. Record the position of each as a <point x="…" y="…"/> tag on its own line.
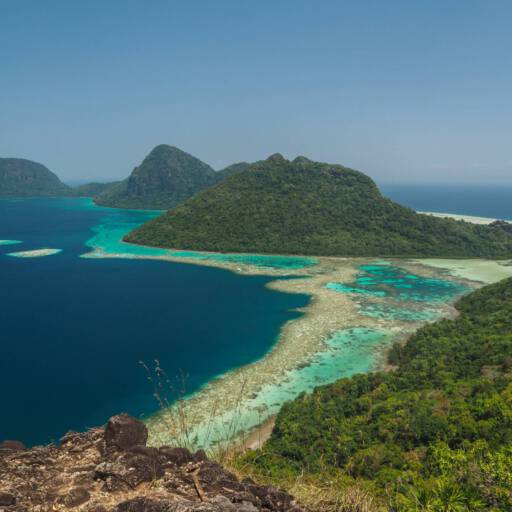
<point x="36" y="253"/>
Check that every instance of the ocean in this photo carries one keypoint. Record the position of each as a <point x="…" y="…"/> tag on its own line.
<point x="493" y="201"/>
<point x="74" y="330"/>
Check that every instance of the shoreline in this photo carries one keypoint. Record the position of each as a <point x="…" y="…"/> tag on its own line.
<point x="473" y="219"/>
<point x="258" y="436"/>
<point x="237" y="403"/>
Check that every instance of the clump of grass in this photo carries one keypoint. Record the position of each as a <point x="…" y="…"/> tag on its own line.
<point x="329" y="497"/>
<point x="321" y="492"/>
<point x="219" y="441"/>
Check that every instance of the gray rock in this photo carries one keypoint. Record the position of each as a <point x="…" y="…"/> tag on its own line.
<point x="178" y="456"/>
<point x="7" y="499"/>
<point x="9" y="446"/>
<point x="129" y="470"/>
<point x="124" y="431"/>
<point x="76" y="496"/>
<point x="224" y="504"/>
<point x="246" y="506"/>
<point x="141" y="504"/>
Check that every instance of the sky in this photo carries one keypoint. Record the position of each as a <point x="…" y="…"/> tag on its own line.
<point x="406" y="91"/>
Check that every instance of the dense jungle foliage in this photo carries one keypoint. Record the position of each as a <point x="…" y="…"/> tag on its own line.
<point x="304" y="207"/>
<point x="435" y="434"/>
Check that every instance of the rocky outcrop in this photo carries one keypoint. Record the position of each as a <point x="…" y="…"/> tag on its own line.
<point x="111" y="469"/>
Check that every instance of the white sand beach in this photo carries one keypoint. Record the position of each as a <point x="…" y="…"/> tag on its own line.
<point x="467" y="218"/>
<point x="36" y="253"/>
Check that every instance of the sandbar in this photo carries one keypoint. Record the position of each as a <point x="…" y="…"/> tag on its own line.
<point x="36" y="253"/>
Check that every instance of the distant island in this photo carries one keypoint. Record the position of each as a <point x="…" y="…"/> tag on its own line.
<point x="20" y="177"/>
<point x="25" y="178"/>
<point x="310" y="208"/>
<point x="165" y="178"/>
<point x="92" y="189"/>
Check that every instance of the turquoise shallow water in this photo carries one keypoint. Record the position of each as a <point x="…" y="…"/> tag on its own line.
<point x="390" y="312"/>
<point x="256" y="260"/>
<point x="10" y="242"/>
<point x="109" y="233"/>
<point x="347" y="352"/>
<point x="385" y="280"/>
<point x="409" y="297"/>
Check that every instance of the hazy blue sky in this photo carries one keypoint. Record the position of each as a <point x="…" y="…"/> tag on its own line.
<point x="406" y="90"/>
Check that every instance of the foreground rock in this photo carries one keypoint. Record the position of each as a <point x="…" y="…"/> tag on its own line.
<point x="112" y="470"/>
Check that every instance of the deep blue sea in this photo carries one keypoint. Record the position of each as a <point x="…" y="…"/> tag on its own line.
<point x="73" y="330"/>
<point x="493" y="201"/>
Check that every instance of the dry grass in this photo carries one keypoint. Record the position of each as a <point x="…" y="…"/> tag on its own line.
<point x="331" y="497"/>
<point x="318" y="493"/>
<point x="171" y="395"/>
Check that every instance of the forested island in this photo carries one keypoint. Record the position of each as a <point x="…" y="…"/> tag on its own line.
<point x="165" y="178"/>
<point x="304" y="207"/>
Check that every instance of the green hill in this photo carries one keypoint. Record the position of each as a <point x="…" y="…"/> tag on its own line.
<point x="230" y="170"/>
<point x="304" y="207"/>
<point x="165" y="178"/>
<point x="92" y="189"/>
<point x="20" y="177"/>
<point x="435" y="434"/>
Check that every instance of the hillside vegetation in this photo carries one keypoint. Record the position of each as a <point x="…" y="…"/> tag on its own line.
<point x="304" y="207"/>
<point x="92" y="189"/>
<point x="433" y="435"/>
<point x="20" y="177"/>
<point x="165" y="178"/>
